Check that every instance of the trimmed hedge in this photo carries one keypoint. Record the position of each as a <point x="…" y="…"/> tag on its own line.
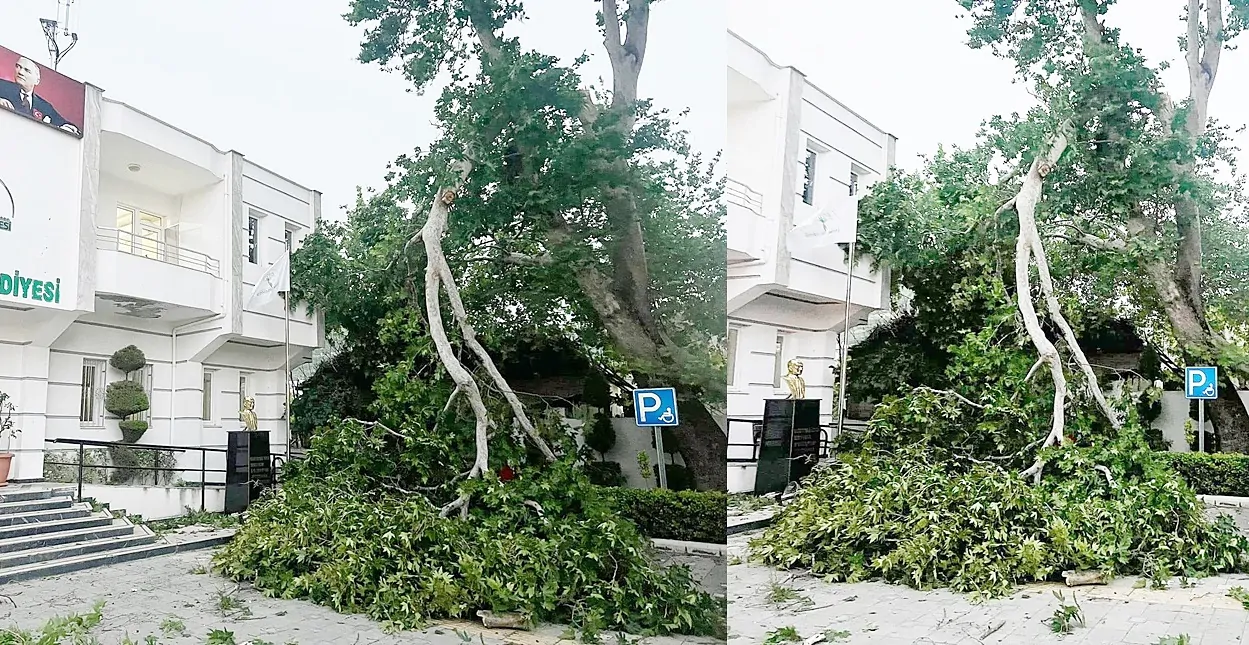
<point x="693" y="516"/>
<point x="1219" y="473"/>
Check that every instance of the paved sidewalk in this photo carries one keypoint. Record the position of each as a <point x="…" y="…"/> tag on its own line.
<point x="141" y="595"/>
<point x="884" y="614"/>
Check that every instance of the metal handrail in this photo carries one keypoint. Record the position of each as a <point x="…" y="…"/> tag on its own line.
<point x="203" y="469"/>
<point x="739" y="194"/>
<point x="111" y="239"/>
<point x="825" y="451"/>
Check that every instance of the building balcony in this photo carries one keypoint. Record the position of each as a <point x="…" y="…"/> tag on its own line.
<point x="147" y="277"/>
<point x="749" y="232"/>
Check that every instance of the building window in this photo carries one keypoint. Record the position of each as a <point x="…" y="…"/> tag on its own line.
<point x="91" y="404"/>
<point x="778" y="363"/>
<point x="144" y="378"/>
<point x="140" y="232"/>
<point x="854" y="184"/>
<point x="290" y="240"/>
<point x="243" y="391"/>
<point x="253" y="239"/>
<point x="808" y="177"/>
<point x="207" y="397"/>
<point x="732" y="355"/>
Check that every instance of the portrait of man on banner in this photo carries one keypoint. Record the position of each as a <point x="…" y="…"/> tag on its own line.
<point x="36" y="92"/>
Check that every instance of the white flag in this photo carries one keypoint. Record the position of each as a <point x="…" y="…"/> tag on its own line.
<point x="824" y="229"/>
<point x="274" y="281"/>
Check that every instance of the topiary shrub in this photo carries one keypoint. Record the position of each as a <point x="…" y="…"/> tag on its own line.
<point x="126" y="463"/>
<point x="124" y="398"/>
<point x="605" y="473"/>
<point x="602" y="435"/>
<point x="694" y="516"/>
<point x="128" y="359"/>
<point x="133" y="467"/>
<point x="132" y="430"/>
<point x="1222" y="473"/>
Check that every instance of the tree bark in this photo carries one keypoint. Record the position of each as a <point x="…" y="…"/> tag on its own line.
<point x="1179" y="285"/>
<point x="620" y="294"/>
<point x="703" y="445"/>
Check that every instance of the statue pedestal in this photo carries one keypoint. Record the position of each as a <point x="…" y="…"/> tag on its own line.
<point x="248" y="468"/>
<point x="789" y="444"/>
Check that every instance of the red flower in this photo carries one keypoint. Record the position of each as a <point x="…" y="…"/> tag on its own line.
<point x="507" y="474"/>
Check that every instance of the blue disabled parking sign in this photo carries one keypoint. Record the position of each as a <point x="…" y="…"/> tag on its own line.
<point x="1201" y="383"/>
<point x="655" y="407"/>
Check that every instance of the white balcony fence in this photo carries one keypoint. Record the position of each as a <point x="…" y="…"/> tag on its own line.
<point x="111" y="239"/>
<point x="739" y="194"/>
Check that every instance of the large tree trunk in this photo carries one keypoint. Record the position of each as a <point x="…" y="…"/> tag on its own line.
<point x="1198" y="347"/>
<point x="620" y="294"/>
<point x="704" y="446"/>
<point x="1179" y="285"/>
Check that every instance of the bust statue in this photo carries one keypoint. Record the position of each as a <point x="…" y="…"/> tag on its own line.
<point x="248" y="414"/>
<point x="793" y="380"/>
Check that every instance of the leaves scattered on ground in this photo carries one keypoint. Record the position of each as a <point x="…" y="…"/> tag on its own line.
<point x="194" y="518"/>
<point x="782" y="635"/>
<point x="1240" y="594"/>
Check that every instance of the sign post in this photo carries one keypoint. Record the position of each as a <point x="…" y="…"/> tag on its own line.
<point x="1202" y="384"/>
<point x="656" y="408"/>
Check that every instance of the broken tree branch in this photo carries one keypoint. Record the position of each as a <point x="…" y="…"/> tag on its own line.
<point x="1025" y="205"/>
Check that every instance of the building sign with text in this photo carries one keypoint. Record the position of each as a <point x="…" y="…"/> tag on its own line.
<point x="41" y="175"/>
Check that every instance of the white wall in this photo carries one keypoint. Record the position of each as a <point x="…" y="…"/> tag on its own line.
<point x="775" y="117"/>
<point x="156" y="502"/>
<point x="205" y="194"/>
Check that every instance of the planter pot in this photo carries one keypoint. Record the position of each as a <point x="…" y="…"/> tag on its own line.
<point x="6" y="461"/>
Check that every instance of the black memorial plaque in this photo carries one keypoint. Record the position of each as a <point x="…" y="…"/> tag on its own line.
<point x="249" y="470"/>
<point x="788" y="444"/>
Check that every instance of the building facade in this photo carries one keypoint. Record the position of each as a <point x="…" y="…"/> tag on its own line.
<point x="125" y="230"/>
<point x="793" y="152"/>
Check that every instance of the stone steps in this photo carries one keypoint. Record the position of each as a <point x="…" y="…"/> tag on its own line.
<point x="44" y="532"/>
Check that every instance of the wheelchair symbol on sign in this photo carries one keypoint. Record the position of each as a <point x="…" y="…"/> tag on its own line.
<point x="667" y="416"/>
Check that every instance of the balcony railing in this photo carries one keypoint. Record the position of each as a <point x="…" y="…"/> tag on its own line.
<point x="111" y="239"/>
<point x="739" y="194"/>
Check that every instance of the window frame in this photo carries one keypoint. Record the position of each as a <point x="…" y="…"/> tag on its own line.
<point x="207" y="390"/>
<point x="731" y="357"/>
<point x="253" y="237"/>
<point x="244" y="389"/>
<point x="135" y="232"/>
<point x="96" y="397"/>
<point x="145" y="379"/>
<point x="778" y="363"/>
<point x="809" y="166"/>
<point x="290" y="239"/>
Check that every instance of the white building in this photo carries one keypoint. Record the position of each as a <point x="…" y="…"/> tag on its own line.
<point x="147" y="235"/>
<point x="793" y="151"/>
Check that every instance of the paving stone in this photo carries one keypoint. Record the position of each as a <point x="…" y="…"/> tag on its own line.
<point x="140" y="595"/>
<point x="1120" y="612"/>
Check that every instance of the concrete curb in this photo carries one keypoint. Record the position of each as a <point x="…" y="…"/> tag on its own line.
<point x="691" y="548"/>
<point x="752" y="522"/>
<point x="1225" y="501"/>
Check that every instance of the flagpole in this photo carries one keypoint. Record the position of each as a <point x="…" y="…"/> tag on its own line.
<point x="845" y="341"/>
<point x="286" y="346"/>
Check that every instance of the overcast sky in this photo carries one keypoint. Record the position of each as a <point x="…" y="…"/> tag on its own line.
<point x="278" y="79"/>
<point x="904" y="64"/>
